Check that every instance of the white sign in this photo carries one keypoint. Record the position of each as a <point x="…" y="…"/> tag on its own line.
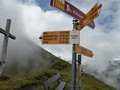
<point x="75" y="37"/>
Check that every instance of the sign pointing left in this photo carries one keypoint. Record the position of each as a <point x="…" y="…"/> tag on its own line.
<point x="60" y="37"/>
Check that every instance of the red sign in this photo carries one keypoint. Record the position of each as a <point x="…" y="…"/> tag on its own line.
<point x="71" y="10"/>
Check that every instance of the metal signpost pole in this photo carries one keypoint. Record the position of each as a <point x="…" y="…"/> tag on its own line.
<point x="79" y="73"/>
<point x="74" y="60"/>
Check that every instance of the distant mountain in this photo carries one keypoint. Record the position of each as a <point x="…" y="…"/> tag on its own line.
<point x="110" y="75"/>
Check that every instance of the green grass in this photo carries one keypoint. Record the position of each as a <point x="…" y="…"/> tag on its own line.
<point x="91" y="83"/>
<point x="8" y="82"/>
<point x="88" y="82"/>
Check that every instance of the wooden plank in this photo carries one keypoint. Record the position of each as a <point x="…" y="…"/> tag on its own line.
<point x="4" y="32"/>
<point x="79" y="73"/>
<point x="51" y="80"/>
<point x="61" y="86"/>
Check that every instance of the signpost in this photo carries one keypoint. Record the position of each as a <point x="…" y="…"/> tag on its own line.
<point x="90" y="16"/>
<point x="73" y="77"/>
<point x="72" y="37"/>
<point x="61" y="37"/>
<point x="71" y="10"/>
<point x="83" y="51"/>
<point x="5" y="43"/>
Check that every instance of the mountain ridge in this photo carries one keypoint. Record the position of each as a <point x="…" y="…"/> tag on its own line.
<point x="40" y="66"/>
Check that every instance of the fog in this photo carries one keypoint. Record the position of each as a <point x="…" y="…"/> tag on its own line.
<point x="21" y="51"/>
<point x="29" y="21"/>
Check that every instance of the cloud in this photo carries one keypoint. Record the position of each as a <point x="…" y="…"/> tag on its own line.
<point x="99" y="40"/>
<point x="103" y="40"/>
<point x="29" y="21"/>
<point x="21" y="50"/>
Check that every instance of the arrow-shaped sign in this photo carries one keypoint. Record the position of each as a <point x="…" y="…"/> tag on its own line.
<point x="83" y="51"/>
<point x="90" y="16"/>
<point x="60" y="37"/>
<point x="71" y="10"/>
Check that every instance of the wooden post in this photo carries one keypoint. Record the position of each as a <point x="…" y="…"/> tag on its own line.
<point x="5" y="43"/>
<point x="79" y="73"/>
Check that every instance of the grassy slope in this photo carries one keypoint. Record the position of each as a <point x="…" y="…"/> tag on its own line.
<point x="8" y="82"/>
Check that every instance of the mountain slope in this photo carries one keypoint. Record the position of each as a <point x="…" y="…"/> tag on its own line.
<point x="34" y="80"/>
<point x="30" y="58"/>
<point x="27" y="58"/>
<point x="110" y="75"/>
<point x="37" y="78"/>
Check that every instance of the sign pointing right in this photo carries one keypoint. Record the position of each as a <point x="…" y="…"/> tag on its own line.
<point x="83" y="51"/>
<point x="90" y="16"/>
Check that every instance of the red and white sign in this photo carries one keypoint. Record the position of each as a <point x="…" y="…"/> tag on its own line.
<point x="71" y="10"/>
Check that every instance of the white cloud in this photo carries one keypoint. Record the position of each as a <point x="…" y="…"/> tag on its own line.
<point x="36" y="21"/>
<point x="30" y="20"/>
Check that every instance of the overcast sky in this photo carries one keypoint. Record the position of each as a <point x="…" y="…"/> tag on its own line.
<point x="103" y="40"/>
<point x="32" y="17"/>
<point x="38" y="16"/>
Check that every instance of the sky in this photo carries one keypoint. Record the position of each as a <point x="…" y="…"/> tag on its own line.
<point x="102" y="39"/>
<point x="32" y="17"/>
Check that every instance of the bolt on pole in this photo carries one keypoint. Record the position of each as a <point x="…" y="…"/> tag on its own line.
<point x="74" y="59"/>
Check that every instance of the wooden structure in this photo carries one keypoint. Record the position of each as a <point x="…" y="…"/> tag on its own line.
<point x="47" y="83"/>
<point x="7" y="35"/>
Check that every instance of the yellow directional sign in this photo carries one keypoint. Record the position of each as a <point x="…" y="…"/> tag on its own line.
<point x="56" y="37"/>
<point x="90" y="16"/>
<point x="60" y="4"/>
<point x="60" y="37"/>
<point x="83" y="51"/>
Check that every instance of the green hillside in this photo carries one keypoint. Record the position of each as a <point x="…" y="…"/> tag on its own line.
<point x="39" y="66"/>
<point x="35" y="80"/>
